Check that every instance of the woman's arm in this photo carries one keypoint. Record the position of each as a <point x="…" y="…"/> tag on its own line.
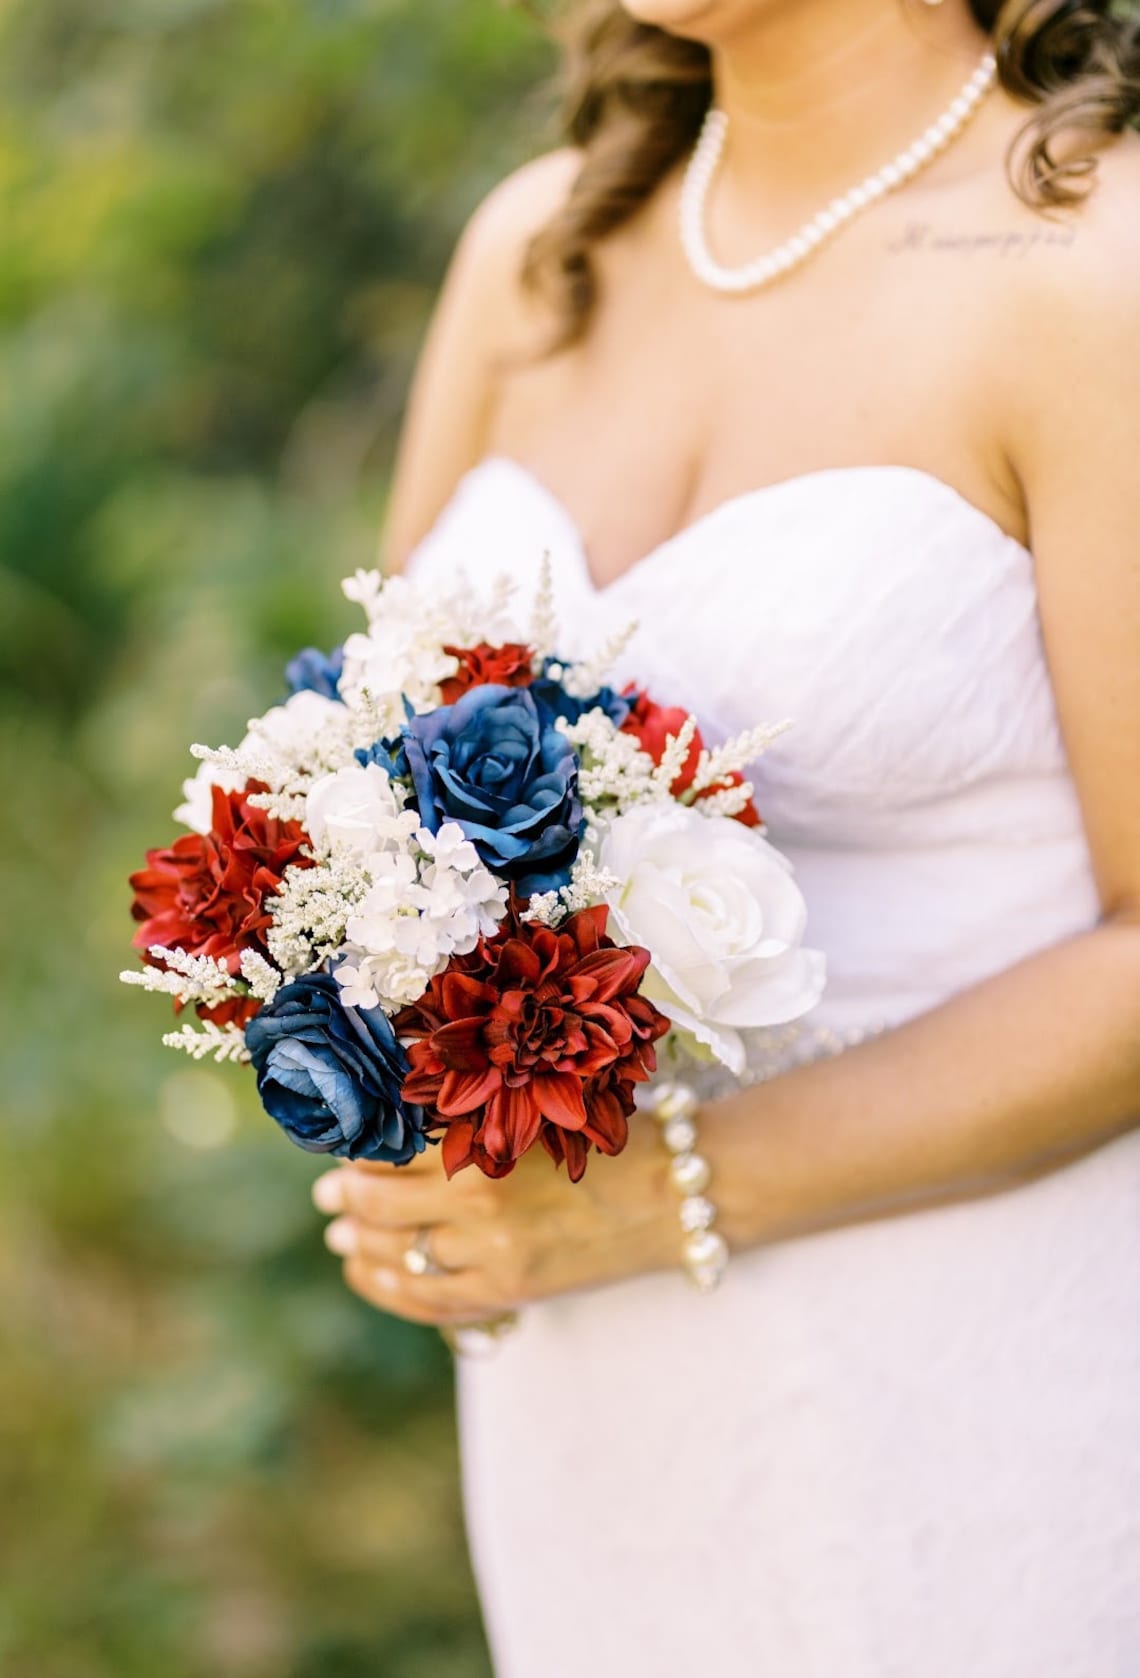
<point x="1005" y="1080"/>
<point x="482" y="319"/>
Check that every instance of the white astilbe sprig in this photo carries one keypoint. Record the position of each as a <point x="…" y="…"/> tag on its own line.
<point x="613" y="771"/>
<point x="287" y="749"/>
<point x="674" y="757"/>
<point x="370" y="717"/>
<point x="306" y="737"/>
<point x="282" y="806"/>
<point x="728" y="801"/>
<point x="187" y="978"/>
<point x="311" y="911"/>
<point x="586" y="677"/>
<point x="261" y="976"/>
<point x="714" y="767"/>
<point x="543" y="623"/>
<point x="588" y="884"/>
<point x="209" y="1042"/>
<point x="243" y="761"/>
<point x="474" y="614"/>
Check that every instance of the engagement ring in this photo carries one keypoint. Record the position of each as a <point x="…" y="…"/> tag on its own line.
<point x="418" y="1259"/>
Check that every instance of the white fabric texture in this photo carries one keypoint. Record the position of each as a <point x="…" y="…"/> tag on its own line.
<point x="902" y="1449"/>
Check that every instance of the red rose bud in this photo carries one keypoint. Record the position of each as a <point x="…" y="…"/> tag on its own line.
<point x="652" y="724"/>
<point x="509" y="666"/>
<point x="538" y="1035"/>
<point x="206" y="893"/>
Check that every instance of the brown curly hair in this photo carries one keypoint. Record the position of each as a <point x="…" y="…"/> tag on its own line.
<point x="633" y="98"/>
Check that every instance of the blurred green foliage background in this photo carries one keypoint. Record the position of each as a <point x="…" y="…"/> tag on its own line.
<point x="224" y="222"/>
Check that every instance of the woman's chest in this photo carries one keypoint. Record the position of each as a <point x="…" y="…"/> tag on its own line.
<point x="888" y="618"/>
<point x="680" y="399"/>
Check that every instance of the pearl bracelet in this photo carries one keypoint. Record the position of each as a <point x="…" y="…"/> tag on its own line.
<point x="704" y="1253"/>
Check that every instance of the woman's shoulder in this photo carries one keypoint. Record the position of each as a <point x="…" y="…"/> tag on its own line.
<point x="519" y="203"/>
<point x="493" y="242"/>
<point x="483" y="318"/>
<point x="1063" y="294"/>
<point x="1089" y="250"/>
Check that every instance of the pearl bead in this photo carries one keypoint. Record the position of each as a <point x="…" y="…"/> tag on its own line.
<point x="675" y="1101"/>
<point x="696" y="1213"/>
<point x="679" y="1135"/>
<point x="691" y="1173"/>
<point x="706" y="1258"/>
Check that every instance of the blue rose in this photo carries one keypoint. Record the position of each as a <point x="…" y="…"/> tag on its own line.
<point x="331" y="1075"/>
<point x="316" y="672"/>
<point x="495" y="763"/>
<point x="553" y="700"/>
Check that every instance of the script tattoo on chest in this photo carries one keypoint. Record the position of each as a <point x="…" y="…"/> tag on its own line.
<point x="1010" y="243"/>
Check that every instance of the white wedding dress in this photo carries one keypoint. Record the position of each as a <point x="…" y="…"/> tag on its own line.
<point x="901" y="1449"/>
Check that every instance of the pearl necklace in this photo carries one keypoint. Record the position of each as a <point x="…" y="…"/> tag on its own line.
<point x="706" y="155"/>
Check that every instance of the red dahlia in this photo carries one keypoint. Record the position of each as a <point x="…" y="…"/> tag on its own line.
<point x="510" y="666"/>
<point x="539" y="1034"/>
<point x="206" y="893"/>
<point x="651" y="724"/>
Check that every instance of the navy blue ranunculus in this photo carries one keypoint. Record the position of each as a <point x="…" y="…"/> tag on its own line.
<point x="315" y="672"/>
<point x="331" y="1075"/>
<point x="495" y="763"/>
<point x="552" y="699"/>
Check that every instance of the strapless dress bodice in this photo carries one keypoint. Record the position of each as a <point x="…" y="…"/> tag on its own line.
<point x="923" y="793"/>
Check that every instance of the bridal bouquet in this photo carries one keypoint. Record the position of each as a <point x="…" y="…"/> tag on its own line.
<point x="457" y="888"/>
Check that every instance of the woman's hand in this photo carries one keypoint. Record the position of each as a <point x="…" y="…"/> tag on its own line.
<point x="506" y="1242"/>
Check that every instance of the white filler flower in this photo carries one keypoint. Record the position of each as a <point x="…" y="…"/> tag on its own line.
<point x="719" y="911"/>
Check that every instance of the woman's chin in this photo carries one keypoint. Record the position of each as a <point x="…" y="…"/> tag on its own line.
<point x="699" y="20"/>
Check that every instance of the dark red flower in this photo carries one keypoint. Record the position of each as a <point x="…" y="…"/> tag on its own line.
<point x="206" y="893"/>
<point x="538" y="1035"/>
<point x="651" y="724"/>
<point x="510" y="666"/>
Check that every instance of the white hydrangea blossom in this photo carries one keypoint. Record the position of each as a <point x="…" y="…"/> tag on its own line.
<point x="400" y="657"/>
<point x="422" y="907"/>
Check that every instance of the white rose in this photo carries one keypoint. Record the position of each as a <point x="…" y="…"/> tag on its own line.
<point x="356" y="810"/>
<point x="718" y="910"/>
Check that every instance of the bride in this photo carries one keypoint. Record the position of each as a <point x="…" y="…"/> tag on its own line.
<point x="813" y="350"/>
